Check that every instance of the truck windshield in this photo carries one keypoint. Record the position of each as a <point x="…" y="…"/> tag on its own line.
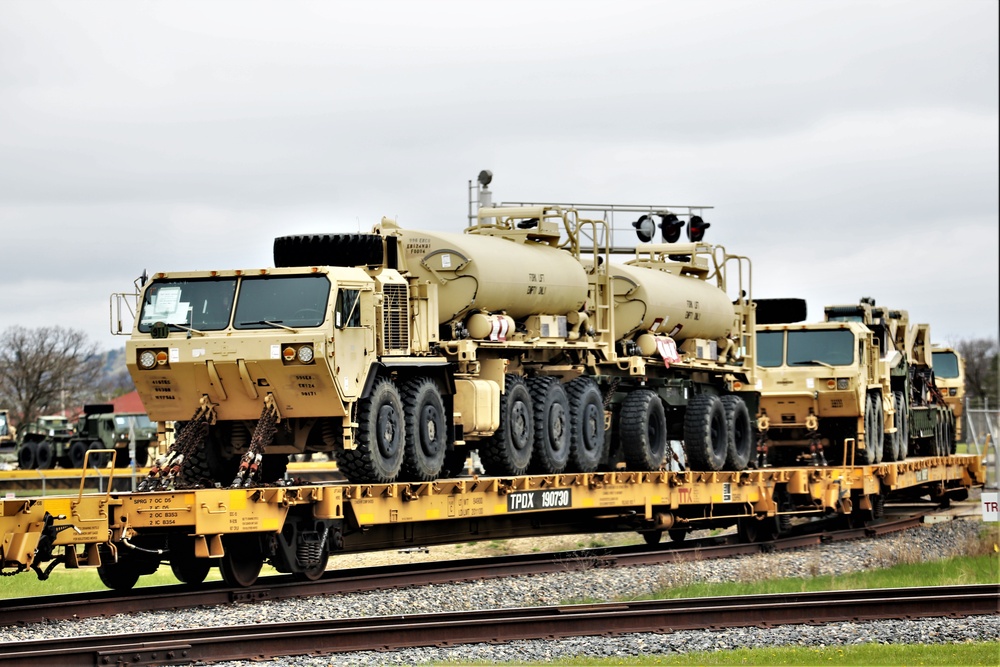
<point x="945" y="364"/>
<point x="832" y="347"/>
<point x="122" y="422"/>
<point x="770" y="348"/>
<point x="282" y="301"/>
<point x="203" y="304"/>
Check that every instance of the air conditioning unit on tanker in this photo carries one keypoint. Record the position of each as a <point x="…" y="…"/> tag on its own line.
<point x="399" y="351"/>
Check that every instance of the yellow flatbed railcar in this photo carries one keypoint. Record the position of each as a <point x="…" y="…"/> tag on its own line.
<point x="296" y="528"/>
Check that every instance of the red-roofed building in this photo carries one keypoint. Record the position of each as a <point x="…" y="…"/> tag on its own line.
<point x="129" y="403"/>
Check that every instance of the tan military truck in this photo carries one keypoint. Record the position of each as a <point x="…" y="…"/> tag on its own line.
<point x="823" y="394"/>
<point x="399" y="351"/>
<point x="949" y="377"/>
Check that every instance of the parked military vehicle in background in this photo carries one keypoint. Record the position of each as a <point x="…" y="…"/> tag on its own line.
<point x="949" y="376"/>
<point x="100" y="427"/>
<point x="8" y="434"/>
<point x="56" y="441"/>
<point x="44" y="443"/>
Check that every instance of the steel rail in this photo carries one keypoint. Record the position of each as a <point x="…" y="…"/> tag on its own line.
<point x="503" y="625"/>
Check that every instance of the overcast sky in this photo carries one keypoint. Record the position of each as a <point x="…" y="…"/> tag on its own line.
<point x="849" y="148"/>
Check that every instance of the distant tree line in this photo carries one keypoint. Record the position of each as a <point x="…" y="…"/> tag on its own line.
<point x="981" y="377"/>
<point x="48" y="370"/>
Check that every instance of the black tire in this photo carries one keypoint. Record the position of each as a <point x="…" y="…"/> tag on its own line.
<point x="45" y="458"/>
<point x="508" y="450"/>
<point x="550" y="454"/>
<point x="706" y="439"/>
<point x="378" y="457"/>
<point x="328" y="250"/>
<point x="99" y="460"/>
<point x="455" y="460"/>
<point x="890" y="441"/>
<point x="77" y="450"/>
<point x="643" y="428"/>
<point x="141" y="455"/>
<point x="902" y="424"/>
<point x="426" y="430"/>
<point x="872" y="453"/>
<point x="952" y="440"/>
<point x="587" y="435"/>
<point x="242" y="560"/>
<point x="26" y="455"/>
<point x="739" y="429"/>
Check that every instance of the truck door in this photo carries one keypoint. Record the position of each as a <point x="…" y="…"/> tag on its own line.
<point x="353" y="337"/>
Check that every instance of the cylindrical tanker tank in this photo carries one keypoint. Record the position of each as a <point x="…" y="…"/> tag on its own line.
<point x="493" y="274"/>
<point x="648" y="299"/>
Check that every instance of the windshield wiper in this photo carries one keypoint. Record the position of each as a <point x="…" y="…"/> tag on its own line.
<point x="277" y="324"/>
<point x="190" y="330"/>
<point x="812" y="361"/>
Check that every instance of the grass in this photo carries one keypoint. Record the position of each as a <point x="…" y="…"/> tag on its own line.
<point x="970" y="654"/>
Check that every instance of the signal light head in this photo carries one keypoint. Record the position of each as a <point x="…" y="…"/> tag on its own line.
<point x="670" y="228"/>
<point x="696" y="228"/>
<point x="645" y="227"/>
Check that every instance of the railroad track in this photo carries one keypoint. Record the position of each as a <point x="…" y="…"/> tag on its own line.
<point x="502" y="625"/>
<point x="355" y="580"/>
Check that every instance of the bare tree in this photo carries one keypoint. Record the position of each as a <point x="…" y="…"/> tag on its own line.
<point x="45" y="370"/>
<point x="980" y="356"/>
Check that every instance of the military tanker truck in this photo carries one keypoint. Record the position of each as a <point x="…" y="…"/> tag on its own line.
<point x="398" y="351"/>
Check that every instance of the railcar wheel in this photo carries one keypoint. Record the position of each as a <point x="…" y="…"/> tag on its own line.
<point x="26" y="456"/>
<point x="242" y="560"/>
<point x="188" y="568"/>
<point x="706" y="439"/>
<point x="677" y="534"/>
<point x="44" y="456"/>
<point x="316" y="571"/>
<point x="550" y="454"/>
<point x="587" y="435"/>
<point x="508" y="451"/>
<point x="120" y="575"/>
<point x="652" y="536"/>
<point x="643" y="427"/>
<point x="739" y="431"/>
<point x="426" y="430"/>
<point x="379" y="455"/>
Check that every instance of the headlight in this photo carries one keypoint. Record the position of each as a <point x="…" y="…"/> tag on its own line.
<point x="843" y="383"/>
<point x="147" y="359"/>
<point x="953" y="391"/>
<point x="306" y="354"/>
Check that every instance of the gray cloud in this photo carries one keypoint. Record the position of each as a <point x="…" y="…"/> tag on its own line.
<point x="849" y="147"/>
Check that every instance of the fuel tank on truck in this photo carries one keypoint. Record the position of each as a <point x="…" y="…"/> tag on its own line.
<point x="648" y="299"/>
<point x="494" y="274"/>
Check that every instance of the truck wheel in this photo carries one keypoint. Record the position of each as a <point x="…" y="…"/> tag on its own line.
<point x="740" y="444"/>
<point x="872" y="453"/>
<point x="586" y="431"/>
<point x="26" y="456"/>
<point x="77" y="451"/>
<point x="902" y="424"/>
<point x="426" y="430"/>
<point x="44" y="456"/>
<point x="508" y="451"/>
<point x="706" y="439"/>
<point x="551" y="417"/>
<point x="379" y="454"/>
<point x="99" y="460"/>
<point x="141" y="455"/>
<point x="643" y="427"/>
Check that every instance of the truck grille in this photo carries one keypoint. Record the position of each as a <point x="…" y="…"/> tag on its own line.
<point x="395" y="319"/>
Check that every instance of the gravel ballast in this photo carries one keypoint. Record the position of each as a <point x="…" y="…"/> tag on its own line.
<point x="926" y="543"/>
